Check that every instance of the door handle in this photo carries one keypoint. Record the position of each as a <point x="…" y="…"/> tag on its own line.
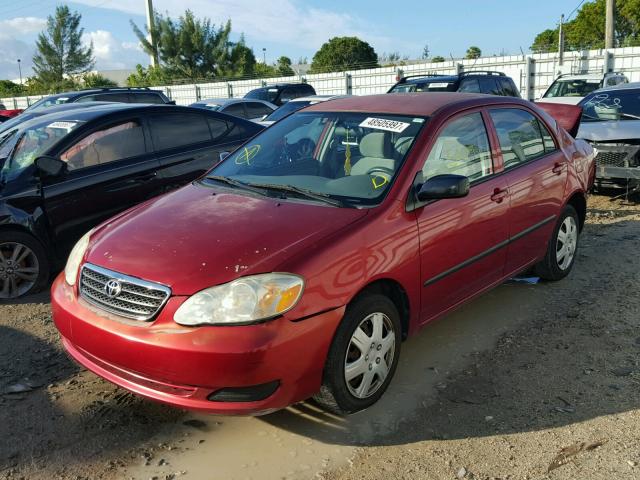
<point x="558" y="167"/>
<point x="499" y="194"/>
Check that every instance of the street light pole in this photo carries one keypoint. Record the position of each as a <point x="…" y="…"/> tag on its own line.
<point x="153" y="58"/>
<point x="264" y="56"/>
<point x="20" y="71"/>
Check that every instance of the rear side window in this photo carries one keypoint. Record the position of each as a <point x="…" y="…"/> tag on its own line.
<point x="508" y="88"/>
<point x="219" y="127"/>
<point x="470" y="85"/>
<point x="519" y="136"/>
<point x="236" y="109"/>
<point x="462" y="148"/>
<point x="490" y="86"/>
<point x="257" y="110"/>
<point x="296" y="91"/>
<point x="108" y="144"/>
<point x="146" y="98"/>
<point x="176" y="130"/>
<point x="106" y="97"/>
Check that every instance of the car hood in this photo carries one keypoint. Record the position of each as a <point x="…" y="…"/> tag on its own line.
<point x="610" y="130"/>
<point x="567" y="100"/>
<point x="199" y="236"/>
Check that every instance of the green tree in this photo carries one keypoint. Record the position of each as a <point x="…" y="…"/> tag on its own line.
<point x="192" y="49"/>
<point x="473" y="52"/>
<point x="95" y="80"/>
<point x="263" y="70"/>
<point x="342" y="53"/>
<point x="59" y="50"/>
<point x="148" y="77"/>
<point x="11" y="89"/>
<point x="437" y="59"/>
<point x="283" y="66"/>
<point x="587" y="29"/>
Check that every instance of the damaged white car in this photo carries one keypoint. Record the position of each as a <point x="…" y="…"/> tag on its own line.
<point x="611" y="123"/>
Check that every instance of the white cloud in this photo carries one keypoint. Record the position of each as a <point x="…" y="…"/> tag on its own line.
<point x="112" y="54"/>
<point x="22" y="25"/>
<point x="279" y="21"/>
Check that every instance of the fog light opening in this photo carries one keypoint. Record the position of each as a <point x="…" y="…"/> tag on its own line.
<point x="253" y="393"/>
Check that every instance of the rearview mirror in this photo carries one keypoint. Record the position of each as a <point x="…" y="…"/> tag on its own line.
<point x="50" y="166"/>
<point x="443" y="186"/>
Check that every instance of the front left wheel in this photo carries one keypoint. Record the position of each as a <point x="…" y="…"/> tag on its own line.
<point x="24" y="266"/>
<point x="363" y="356"/>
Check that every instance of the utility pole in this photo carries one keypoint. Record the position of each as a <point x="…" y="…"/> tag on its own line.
<point x="610" y="24"/>
<point x="20" y="70"/>
<point x="561" y="41"/>
<point x="153" y="58"/>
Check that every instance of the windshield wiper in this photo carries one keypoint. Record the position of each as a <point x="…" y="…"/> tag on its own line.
<point x="235" y="183"/>
<point x="628" y="115"/>
<point x="321" y="197"/>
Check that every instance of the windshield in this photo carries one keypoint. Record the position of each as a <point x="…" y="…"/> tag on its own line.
<point x="30" y="144"/>
<point x="572" y="88"/>
<point x="349" y="157"/>
<point x="286" y="109"/>
<point x="434" y="85"/>
<point x="603" y="106"/>
<point x="268" y="94"/>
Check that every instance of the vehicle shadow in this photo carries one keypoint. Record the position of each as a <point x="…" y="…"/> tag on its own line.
<point x="554" y="354"/>
<point x="53" y="413"/>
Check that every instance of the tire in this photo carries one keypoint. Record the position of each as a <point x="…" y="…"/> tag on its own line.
<point x="555" y="266"/>
<point x="341" y="396"/>
<point x="24" y="265"/>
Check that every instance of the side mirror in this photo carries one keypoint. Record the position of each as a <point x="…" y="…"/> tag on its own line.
<point x="443" y="186"/>
<point x="50" y="166"/>
<point x="223" y="155"/>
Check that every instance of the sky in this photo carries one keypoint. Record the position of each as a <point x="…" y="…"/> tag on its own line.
<point x="294" y="28"/>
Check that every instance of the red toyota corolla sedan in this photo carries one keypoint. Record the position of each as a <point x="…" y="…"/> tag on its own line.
<point x="297" y="266"/>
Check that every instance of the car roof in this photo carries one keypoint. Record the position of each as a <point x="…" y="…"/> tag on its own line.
<point x="414" y="104"/>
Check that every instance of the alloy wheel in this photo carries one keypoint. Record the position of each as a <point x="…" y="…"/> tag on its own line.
<point x="566" y="243"/>
<point x="19" y="269"/>
<point x="369" y="355"/>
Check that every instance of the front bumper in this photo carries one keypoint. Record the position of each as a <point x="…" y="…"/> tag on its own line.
<point x="616" y="161"/>
<point x="183" y="366"/>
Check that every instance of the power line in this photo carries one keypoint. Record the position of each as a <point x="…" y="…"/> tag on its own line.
<point x="574" y="11"/>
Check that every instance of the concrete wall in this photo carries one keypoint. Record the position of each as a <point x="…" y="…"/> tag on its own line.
<point x="532" y="74"/>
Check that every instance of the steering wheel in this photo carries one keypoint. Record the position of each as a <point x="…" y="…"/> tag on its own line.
<point x="304" y="148"/>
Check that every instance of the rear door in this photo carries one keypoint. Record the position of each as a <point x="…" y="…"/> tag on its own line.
<point x="535" y="170"/>
<point x="111" y="168"/>
<point x="189" y="144"/>
<point x="462" y="240"/>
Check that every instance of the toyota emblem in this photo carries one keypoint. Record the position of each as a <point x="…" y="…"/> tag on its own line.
<point x="112" y="288"/>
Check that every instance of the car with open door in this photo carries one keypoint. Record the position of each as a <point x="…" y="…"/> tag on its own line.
<point x="297" y="266"/>
<point x="64" y="173"/>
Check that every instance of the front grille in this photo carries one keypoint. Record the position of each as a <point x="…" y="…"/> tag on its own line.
<point x="616" y="155"/>
<point x="130" y="297"/>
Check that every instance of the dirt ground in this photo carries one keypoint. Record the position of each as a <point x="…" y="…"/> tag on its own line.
<point x="527" y="382"/>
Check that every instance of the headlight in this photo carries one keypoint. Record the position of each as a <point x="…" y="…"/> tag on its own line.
<point x="245" y="300"/>
<point x="75" y="257"/>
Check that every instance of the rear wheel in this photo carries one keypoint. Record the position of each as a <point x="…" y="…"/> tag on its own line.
<point x="24" y="267"/>
<point x="562" y="248"/>
<point x="363" y="356"/>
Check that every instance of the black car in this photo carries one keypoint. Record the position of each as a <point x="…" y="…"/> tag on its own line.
<point x="281" y="93"/>
<point x="475" y="81"/>
<point x="64" y="173"/>
<point x="117" y="94"/>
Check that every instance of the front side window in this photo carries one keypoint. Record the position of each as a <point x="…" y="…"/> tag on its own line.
<point x="33" y="142"/>
<point x="490" y="86"/>
<point x="342" y="156"/>
<point x="470" y="85"/>
<point x="462" y="148"/>
<point x="267" y="94"/>
<point x="110" y="144"/>
<point x="603" y="106"/>
<point x="176" y="130"/>
<point x="519" y="136"/>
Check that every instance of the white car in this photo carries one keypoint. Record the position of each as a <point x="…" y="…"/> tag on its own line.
<point x="295" y="105"/>
<point x="570" y="89"/>
<point x="247" y="108"/>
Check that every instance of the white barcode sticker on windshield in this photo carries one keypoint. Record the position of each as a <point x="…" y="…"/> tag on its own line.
<point x="438" y="85"/>
<point x="62" y="125"/>
<point x="384" y="124"/>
